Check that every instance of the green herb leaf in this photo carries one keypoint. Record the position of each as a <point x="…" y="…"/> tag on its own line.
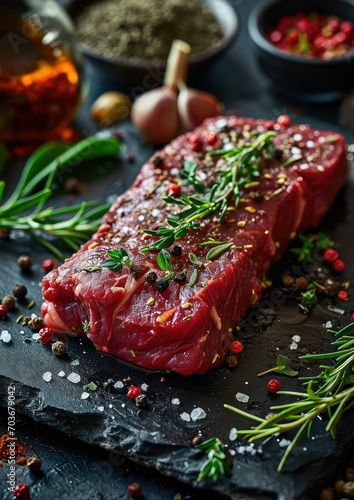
<point x="282" y="366"/>
<point x="164" y="260"/>
<point x="194" y="277"/>
<point x="92" y="269"/>
<point x="90" y="387"/>
<point x="86" y="326"/>
<point x="216" y="464"/>
<point x="194" y="260"/>
<point x="215" y="252"/>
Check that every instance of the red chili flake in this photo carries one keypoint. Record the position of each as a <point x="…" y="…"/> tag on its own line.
<point x="284" y="120"/>
<point x="211" y="138"/>
<point x="21" y="492"/>
<point x="236" y="346"/>
<point x="135" y="490"/>
<point x="48" y="265"/>
<point x="133" y="391"/>
<point x="342" y="295"/>
<point x="338" y="265"/>
<point x="330" y="255"/>
<point x="268" y="125"/>
<point x="196" y="142"/>
<point x="3" y="311"/>
<point x="46" y="335"/>
<point x="173" y="189"/>
<point x="130" y="158"/>
<point x="273" y="385"/>
<point x="352" y="317"/>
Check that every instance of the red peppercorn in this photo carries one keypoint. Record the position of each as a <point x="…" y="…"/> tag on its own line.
<point x="135" y="490"/>
<point x="174" y="189"/>
<point x="133" y="391"/>
<point x="342" y="295"/>
<point x="273" y="385"/>
<point x="21" y="492"/>
<point x="3" y="311"/>
<point x="284" y="120"/>
<point x="195" y="142"/>
<point x="46" y="335"/>
<point x="130" y="158"/>
<point x="352" y="317"/>
<point x="236" y="347"/>
<point x="48" y="265"/>
<point x="330" y="255"/>
<point x="268" y="125"/>
<point x="338" y="265"/>
<point x="211" y="138"/>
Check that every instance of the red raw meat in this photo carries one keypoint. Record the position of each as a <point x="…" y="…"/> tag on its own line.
<point x="188" y="329"/>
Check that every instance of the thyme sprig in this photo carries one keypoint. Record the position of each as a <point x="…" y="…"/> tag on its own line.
<point x="243" y="165"/>
<point x="26" y="208"/>
<point x="331" y="393"/>
<point x="216" y="463"/>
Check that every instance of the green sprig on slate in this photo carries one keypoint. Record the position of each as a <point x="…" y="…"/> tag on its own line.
<point x="282" y="366"/>
<point x="216" y="464"/>
<point x="26" y="208"/>
<point x="243" y="166"/>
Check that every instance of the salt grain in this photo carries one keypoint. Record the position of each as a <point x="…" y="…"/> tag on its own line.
<point x="293" y="346"/>
<point x="144" y="387"/>
<point x="296" y="338"/>
<point x="100" y="408"/>
<point x="5" y="336"/>
<point x="61" y="374"/>
<point x="233" y="434"/>
<point x="47" y="376"/>
<point x="36" y="336"/>
<point x="284" y="443"/>
<point x="185" y="416"/>
<point x="175" y="401"/>
<point x="197" y="414"/>
<point x="328" y="324"/>
<point x="242" y="398"/>
<point x="85" y="395"/>
<point x="75" y="362"/>
<point x="118" y="385"/>
<point x="74" y="377"/>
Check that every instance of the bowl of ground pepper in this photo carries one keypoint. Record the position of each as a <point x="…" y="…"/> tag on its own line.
<point x="134" y="37"/>
<point x="306" y="47"/>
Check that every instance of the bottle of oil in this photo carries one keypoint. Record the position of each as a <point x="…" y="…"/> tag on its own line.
<point x="40" y="73"/>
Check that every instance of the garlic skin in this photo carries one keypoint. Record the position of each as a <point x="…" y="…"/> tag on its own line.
<point x="155" y="114"/>
<point x="194" y="106"/>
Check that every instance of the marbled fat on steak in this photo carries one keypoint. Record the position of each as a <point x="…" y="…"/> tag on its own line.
<point x="188" y="329"/>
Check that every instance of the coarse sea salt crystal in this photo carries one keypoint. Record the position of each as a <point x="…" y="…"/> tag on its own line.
<point x="61" y="374"/>
<point x="156" y="212"/>
<point x="185" y="416"/>
<point x="36" y="336"/>
<point x="175" y="401"/>
<point x="85" y="395"/>
<point x="233" y="434"/>
<point x="75" y="362"/>
<point x="74" y="377"/>
<point x="232" y="452"/>
<point x="118" y="385"/>
<point x="100" y="408"/>
<point x="283" y="443"/>
<point x="5" y="336"/>
<point x="293" y="346"/>
<point x="328" y="324"/>
<point x="296" y="338"/>
<point x="242" y="398"/>
<point x="47" y="376"/>
<point x="197" y="414"/>
<point x="144" y="387"/>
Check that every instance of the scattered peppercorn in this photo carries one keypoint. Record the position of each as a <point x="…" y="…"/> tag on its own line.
<point x="283" y="120"/>
<point x="258" y="196"/>
<point x="231" y="361"/>
<point x="34" y="464"/>
<point x="236" y="346"/>
<point x="195" y="142"/>
<point x="21" y="492"/>
<point x="72" y="185"/>
<point x="173" y="189"/>
<point x="151" y="277"/>
<point x="48" y="265"/>
<point x="136" y="270"/>
<point x="161" y="284"/>
<point x="9" y="302"/>
<point x="135" y="490"/>
<point x="19" y="291"/>
<point x="133" y="391"/>
<point x="196" y="440"/>
<point x="342" y="295"/>
<point x="332" y="287"/>
<point x="301" y="283"/>
<point x="24" y="262"/>
<point x="338" y="265"/>
<point x="141" y="400"/>
<point x="157" y="161"/>
<point x="46" y="335"/>
<point x="176" y="251"/>
<point x="288" y="280"/>
<point x="330" y="255"/>
<point x="211" y="138"/>
<point x="180" y="277"/>
<point x="36" y="323"/>
<point x="58" y="348"/>
<point x="273" y="385"/>
<point x="3" y="311"/>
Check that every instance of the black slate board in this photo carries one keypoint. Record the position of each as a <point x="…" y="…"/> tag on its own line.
<point x="157" y="436"/>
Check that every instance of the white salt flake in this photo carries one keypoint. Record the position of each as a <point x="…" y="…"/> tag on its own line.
<point x="304" y="166"/>
<point x="284" y="443"/>
<point x="335" y="309"/>
<point x="232" y="452"/>
<point x="241" y="450"/>
<point x="123" y="405"/>
<point x="310" y="144"/>
<point x="242" y="398"/>
<point x="320" y="168"/>
<point x="174" y="172"/>
<point x="118" y="385"/>
<point x="328" y="324"/>
<point x="233" y="434"/>
<point x="297" y="137"/>
<point x="295" y="151"/>
<point x="22" y="332"/>
<point x="185" y="416"/>
<point x="5" y="336"/>
<point x="75" y="362"/>
<point x="47" y="376"/>
<point x="293" y="346"/>
<point x="175" y="401"/>
<point x="144" y="387"/>
<point x="74" y="377"/>
<point x="36" y="336"/>
<point x="296" y="338"/>
<point x="100" y="408"/>
<point x="110" y="406"/>
<point x="85" y="395"/>
<point x="141" y="218"/>
<point x="156" y="212"/>
<point x="61" y="374"/>
<point x="197" y="414"/>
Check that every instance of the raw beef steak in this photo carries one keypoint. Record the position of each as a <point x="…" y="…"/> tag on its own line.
<point x="187" y="327"/>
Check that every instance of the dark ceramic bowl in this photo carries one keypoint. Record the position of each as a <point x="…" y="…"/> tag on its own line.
<point x="144" y="75"/>
<point x="299" y="75"/>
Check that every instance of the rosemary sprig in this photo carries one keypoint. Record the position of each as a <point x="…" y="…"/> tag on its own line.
<point x="334" y="396"/>
<point x="25" y="209"/>
<point x="216" y="464"/>
<point x="243" y="165"/>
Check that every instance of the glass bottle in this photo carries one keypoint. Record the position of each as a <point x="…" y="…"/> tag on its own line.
<point x="40" y="73"/>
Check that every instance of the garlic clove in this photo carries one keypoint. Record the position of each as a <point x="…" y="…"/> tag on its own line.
<point x="110" y="108"/>
<point x="194" y="106"/>
<point x="155" y="114"/>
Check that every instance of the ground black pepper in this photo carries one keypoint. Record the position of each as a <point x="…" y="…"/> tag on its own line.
<point x="19" y="290"/>
<point x="145" y="30"/>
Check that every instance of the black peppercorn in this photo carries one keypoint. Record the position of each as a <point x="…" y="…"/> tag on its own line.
<point x="58" y="348"/>
<point x="19" y="290"/>
<point x="9" y="301"/>
<point x="301" y="283"/>
<point x="180" y="277"/>
<point x="141" y="400"/>
<point x="151" y="277"/>
<point x="72" y="185"/>
<point x="136" y="270"/>
<point x="24" y="262"/>
<point x="161" y="284"/>
<point x="34" y="464"/>
<point x="288" y="280"/>
<point x="196" y="440"/>
<point x="157" y="161"/>
<point x="36" y="323"/>
<point x="231" y="361"/>
<point x="176" y="251"/>
<point x="258" y="196"/>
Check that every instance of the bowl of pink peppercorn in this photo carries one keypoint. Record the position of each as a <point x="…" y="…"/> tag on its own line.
<point x="306" y="47"/>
